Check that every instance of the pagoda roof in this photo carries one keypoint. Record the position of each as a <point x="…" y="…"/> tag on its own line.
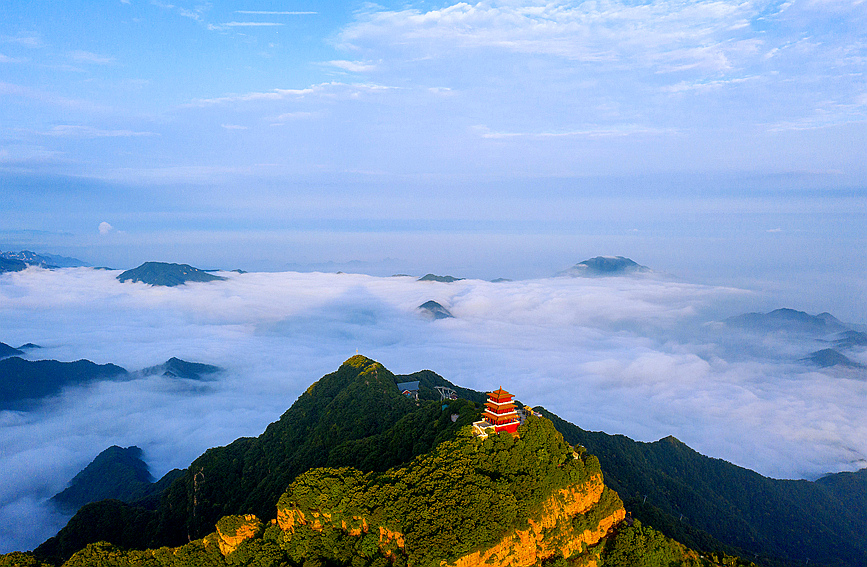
<point x="499" y="394"/>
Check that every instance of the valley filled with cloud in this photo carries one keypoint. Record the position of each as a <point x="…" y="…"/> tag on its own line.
<point x="646" y="356"/>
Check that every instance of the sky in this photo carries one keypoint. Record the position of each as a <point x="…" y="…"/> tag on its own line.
<point x="646" y="356"/>
<point x="721" y="140"/>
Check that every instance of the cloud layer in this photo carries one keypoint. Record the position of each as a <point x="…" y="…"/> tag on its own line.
<point x="632" y="356"/>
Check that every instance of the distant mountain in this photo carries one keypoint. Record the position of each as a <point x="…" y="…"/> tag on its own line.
<point x="435" y="310"/>
<point x="116" y="473"/>
<point x="7" y="351"/>
<point x="501" y="280"/>
<point x="441" y="279"/>
<point x="44" y="260"/>
<point x="164" y="274"/>
<point x="11" y="265"/>
<point x="604" y="266"/>
<point x="788" y="320"/>
<point x="828" y="357"/>
<point x="177" y="368"/>
<point x="25" y="381"/>
<point x="851" y="339"/>
<point x="29" y="346"/>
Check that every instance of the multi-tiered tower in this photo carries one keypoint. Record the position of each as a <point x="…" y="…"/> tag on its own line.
<point x="501" y="411"/>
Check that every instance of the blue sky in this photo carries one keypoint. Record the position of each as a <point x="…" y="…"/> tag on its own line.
<point x="689" y="133"/>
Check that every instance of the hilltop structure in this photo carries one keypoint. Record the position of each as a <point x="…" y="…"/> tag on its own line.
<point x="500" y="415"/>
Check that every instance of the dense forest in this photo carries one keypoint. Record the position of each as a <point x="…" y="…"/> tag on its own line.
<point x="354" y="426"/>
<point x="462" y="496"/>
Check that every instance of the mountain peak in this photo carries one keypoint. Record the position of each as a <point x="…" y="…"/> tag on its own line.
<point x="441" y="279"/>
<point x="166" y="274"/>
<point x="435" y="310"/>
<point x="605" y="266"/>
<point x="790" y="320"/>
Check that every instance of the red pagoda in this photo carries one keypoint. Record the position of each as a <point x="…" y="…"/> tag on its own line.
<point x="501" y="411"/>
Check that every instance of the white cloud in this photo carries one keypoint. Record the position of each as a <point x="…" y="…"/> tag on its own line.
<point x="590" y="132"/>
<point x="88" y="57"/>
<point x="705" y="86"/>
<point x="76" y="131"/>
<point x="250" y="24"/>
<point x="233" y="127"/>
<point x="32" y="41"/>
<point x="619" y="354"/>
<point x="661" y="33"/>
<point x="105" y="228"/>
<point x="270" y="13"/>
<point x="326" y="90"/>
<point x="7" y="59"/>
<point x="291" y="116"/>
<point x="353" y="66"/>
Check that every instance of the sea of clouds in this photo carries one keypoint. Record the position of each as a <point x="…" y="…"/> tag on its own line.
<point x="642" y="356"/>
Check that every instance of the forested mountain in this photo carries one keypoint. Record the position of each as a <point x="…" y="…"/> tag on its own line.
<point x="166" y="274"/>
<point x="6" y="351"/>
<point x="703" y="502"/>
<point x="24" y="381"/>
<point x="406" y="483"/>
<point x="353" y="434"/>
<point x="605" y="266"/>
<point x="117" y="473"/>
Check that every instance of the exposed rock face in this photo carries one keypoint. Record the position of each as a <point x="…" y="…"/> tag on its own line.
<point x="554" y="533"/>
<point x="571" y="520"/>
<point x="232" y="530"/>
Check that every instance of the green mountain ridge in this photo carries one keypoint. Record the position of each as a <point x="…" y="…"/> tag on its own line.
<point x="117" y="474"/>
<point x="354" y="419"/>
<point x="24" y="382"/>
<point x="448" y="496"/>
<point x="698" y="500"/>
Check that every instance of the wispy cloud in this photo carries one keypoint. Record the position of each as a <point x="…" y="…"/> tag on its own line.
<point x="332" y="89"/>
<point x="7" y="59"/>
<point x="353" y="66"/>
<point x="76" y="131"/>
<point x="46" y="97"/>
<point x="291" y="116"/>
<point x="249" y="24"/>
<point x="661" y="33"/>
<point x="32" y="41"/>
<point x="233" y="127"/>
<point x="271" y="13"/>
<point x="196" y="14"/>
<point x="704" y="86"/>
<point x="591" y="132"/>
<point x="89" y="57"/>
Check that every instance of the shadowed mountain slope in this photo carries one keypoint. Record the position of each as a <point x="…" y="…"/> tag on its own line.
<point x="352" y="417"/>
<point x="435" y="310"/>
<point x="788" y="320"/>
<point x="604" y="266"/>
<point x="690" y="496"/>
<point x="116" y="473"/>
<point x="6" y="351"/>
<point x="165" y="274"/>
<point x="25" y="381"/>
